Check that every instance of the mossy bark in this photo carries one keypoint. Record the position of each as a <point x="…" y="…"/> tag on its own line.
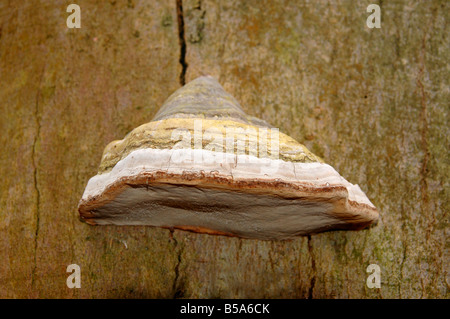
<point x="373" y="103"/>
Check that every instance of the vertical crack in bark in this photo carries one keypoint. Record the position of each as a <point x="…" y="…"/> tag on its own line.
<point x="404" y="240"/>
<point x="35" y="174"/>
<point x="272" y="261"/>
<point x="401" y="271"/>
<point x="313" y="266"/>
<point x="424" y="129"/>
<point x="177" y="288"/>
<point x="182" y="41"/>
<point x="238" y="251"/>
<point x="426" y="211"/>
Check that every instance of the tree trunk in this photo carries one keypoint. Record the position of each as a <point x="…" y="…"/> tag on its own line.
<point x="373" y="103"/>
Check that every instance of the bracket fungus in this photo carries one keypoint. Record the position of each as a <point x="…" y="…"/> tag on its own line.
<point x="204" y="165"/>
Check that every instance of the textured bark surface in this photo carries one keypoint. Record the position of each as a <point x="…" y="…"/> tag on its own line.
<point x="372" y="102"/>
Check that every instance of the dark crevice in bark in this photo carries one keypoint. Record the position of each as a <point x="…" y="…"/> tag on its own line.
<point x="424" y="121"/>
<point x="271" y="259"/>
<point x="424" y="171"/>
<point x="35" y="175"/>
<point x="402" y="278"/>
<point x="177" y="287"/>
<point x="424" y="129"/>
<point x="182" y="41"/>
<point x="313" y="266"/>
<point x="238" y="251"/>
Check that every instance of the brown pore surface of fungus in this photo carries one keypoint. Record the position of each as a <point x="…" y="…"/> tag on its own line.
<point x="203" y="165"/>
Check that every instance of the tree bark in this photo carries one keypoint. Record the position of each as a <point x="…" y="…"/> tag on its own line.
<point x="373" y="103"/>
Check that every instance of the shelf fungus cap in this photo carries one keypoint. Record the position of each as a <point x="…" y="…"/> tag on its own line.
<point x="204" y="165"/>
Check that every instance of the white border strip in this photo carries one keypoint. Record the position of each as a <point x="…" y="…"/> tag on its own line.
<point x="176" y="161"/>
